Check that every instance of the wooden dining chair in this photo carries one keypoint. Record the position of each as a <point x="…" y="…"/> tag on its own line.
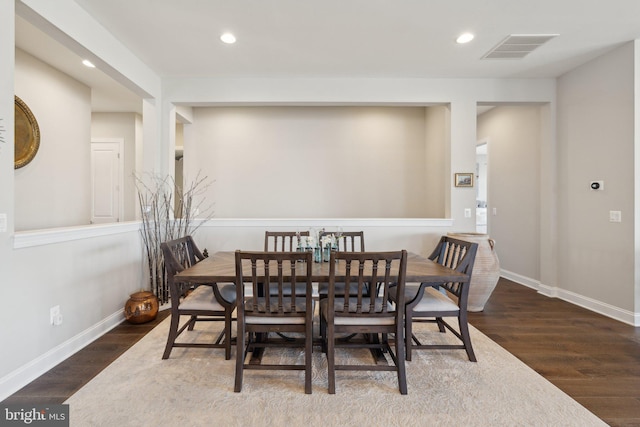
<point x="281" y="241"/>
<point x="433" y="302"/>
<point x="349" y="241"/>
<point x="202" y="302"/>
<point x="273" y="309"/>
<point x="373" y="315"/>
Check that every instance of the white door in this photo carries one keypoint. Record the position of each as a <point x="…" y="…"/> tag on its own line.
<point x="106" y="181"/>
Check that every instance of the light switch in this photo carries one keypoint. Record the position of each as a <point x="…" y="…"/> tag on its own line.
<point x="495" y="211"/>
<point x="467" y="213"/>
<point x="615" y="216"/>
<point x="3" y="223"/>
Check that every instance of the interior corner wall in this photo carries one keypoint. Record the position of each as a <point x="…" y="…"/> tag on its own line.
<point x="312" y="162"/>
<point x="121" y="125"/>
<point x="53" y="190"/>
<point x="596" y="257"/>
<point x="435" y="184"/>
<point x="513" y="134"/>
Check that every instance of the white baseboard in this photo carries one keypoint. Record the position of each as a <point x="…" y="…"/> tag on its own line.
<point x="523" y="280"/>
<point x="624" y="316"/>
<point x="32" y="370"/>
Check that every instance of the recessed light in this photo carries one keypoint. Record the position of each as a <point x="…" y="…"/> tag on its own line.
<point x="464" y="38"/>
<point x="88" y="63"/>
<point x="228" y="38"/>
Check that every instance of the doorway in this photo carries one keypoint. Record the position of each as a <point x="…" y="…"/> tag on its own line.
<point x="481" y="185"/>
<point x="106" y="180"/>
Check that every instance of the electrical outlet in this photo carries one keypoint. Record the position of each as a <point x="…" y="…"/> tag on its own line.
<point x="467" y="213"/>
<point x="55" y="316"/>
<point x="615" y="216"/>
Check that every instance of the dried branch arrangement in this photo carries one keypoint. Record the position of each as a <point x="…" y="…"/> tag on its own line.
<point x="168" y="212"/>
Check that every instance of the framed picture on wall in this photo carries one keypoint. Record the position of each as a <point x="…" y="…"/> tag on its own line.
<point x="464" y="180"/>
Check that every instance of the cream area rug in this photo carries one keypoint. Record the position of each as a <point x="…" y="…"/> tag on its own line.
<point x="194" y="387"/>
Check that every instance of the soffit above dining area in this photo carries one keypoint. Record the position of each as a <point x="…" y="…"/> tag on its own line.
<point x="360" y="39"/>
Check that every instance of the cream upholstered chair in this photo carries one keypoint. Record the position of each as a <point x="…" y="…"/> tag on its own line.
<point x="433" y="302"/>
<point x="205" y="302"/>
<point x="274" y="309"/>
<point x="362" y="313"/>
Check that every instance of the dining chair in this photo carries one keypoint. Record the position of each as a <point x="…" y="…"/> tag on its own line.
<point x="281" y="241"/>
<point x="349" y="241"/>
<point x="202" y="302"/>
<point x="375" y="315"/>
<point x="432" y="302"/>
<point x="273" y="309"/>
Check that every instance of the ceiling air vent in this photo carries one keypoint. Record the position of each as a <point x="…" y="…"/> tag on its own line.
<point x="517" y="46"/>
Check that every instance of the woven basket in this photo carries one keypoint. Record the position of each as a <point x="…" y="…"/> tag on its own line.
<point x="486" y="269"/>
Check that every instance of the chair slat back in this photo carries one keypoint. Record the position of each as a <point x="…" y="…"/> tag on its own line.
<point x="385" y="269"/>
<point x="282" y="241"/>
<point x="349" y="241"/>
<point x="459" y="255"/>
<point x="272" y="276"/>
<point x="179" y="254"/>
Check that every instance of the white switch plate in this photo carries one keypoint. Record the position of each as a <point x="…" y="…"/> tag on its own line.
<point x="495" y="211"/>
<point x="3" y="222"/>
<point x="467" y="213"/>
<point x="615" y="216"/>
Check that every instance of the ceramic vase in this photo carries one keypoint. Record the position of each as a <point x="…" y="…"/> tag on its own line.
<point x="486" y="269"/>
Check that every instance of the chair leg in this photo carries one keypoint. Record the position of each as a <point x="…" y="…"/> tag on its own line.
<point x="227" y="333"/>
<point x="323" y="335"/>
<point x="173" y="334"/>
<point x="466" y="338"/>
<point x="331" y="368"/>
<point x="400" y="358"/>
<point x="408" y="321"/>
<point x="440" y="324"/>
<point x="192" y="322"/>
<point x="240" y="356"/>
<point x="308" y="357"/>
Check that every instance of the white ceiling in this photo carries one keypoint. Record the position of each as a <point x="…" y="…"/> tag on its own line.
<point x="355" y="38"/>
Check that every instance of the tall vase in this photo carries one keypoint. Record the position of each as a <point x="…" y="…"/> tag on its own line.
<point x="486" y="269"/>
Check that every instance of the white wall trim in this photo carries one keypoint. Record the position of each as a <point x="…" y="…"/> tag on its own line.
<point x="27" y="239"/>
<point x="329" y="222"/>
<point x="523" y="280"/>
<point x="18" y="378"/>
<point x="616" y="313"/>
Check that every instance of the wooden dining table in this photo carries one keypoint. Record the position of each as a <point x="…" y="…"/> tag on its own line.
<point x="220" y="268"/>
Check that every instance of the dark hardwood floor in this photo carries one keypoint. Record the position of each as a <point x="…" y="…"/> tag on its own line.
<point x="594" y="359"/>
<point x="69" y="376"/>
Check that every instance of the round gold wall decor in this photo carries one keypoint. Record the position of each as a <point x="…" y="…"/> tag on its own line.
<point x="27" y="135"/>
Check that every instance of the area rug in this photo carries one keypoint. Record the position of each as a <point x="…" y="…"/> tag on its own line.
<point x="194" y="387"/>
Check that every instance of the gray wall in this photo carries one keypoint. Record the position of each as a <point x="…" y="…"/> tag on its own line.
<point x="53" y="190"/>
<point x="316" y="162"/>
<point x="596" y="142"/>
